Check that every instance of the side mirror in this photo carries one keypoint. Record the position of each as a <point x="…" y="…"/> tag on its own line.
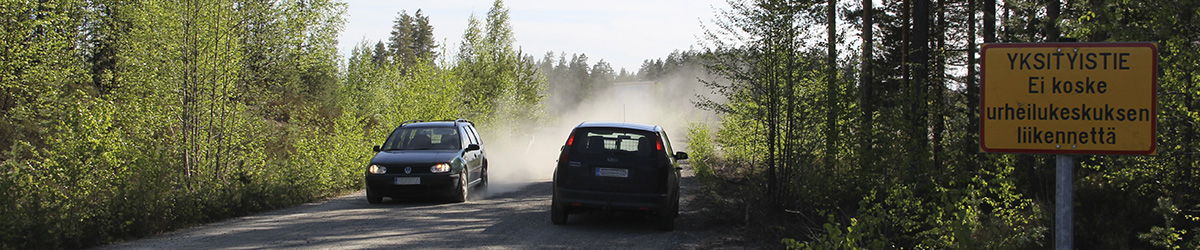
<point x="681" y="155"/>
<point x="375" y="148"/>
<point x="472" y="147"/>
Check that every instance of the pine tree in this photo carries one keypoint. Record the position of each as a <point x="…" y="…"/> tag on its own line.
<point x="412" y="39"/>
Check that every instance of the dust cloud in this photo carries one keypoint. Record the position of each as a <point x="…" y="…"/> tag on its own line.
<point x="515" y="162"/>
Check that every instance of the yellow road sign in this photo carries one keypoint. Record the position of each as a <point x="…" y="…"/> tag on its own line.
<point x="1069" y="98"/>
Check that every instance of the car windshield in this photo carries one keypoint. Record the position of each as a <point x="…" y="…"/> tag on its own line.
<point x="614" y="141"/>
<point x="423" y="139"/>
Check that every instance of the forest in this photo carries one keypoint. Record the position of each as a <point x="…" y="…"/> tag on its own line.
<point x="120" y="119"/>
<point x="843" y="124"/>
<point x="852" y="125"/>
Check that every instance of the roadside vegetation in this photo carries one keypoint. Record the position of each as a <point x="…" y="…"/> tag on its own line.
<point x="121" y="119"/>
<point x="863" y="133"/>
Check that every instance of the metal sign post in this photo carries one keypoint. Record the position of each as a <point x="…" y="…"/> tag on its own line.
<point x="1064" y="200"/>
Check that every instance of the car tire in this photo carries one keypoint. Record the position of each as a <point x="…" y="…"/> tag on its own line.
<point x="666" y="219"/>
<point x="675" y="206"/>
<point x="481" y="188"/>
<point x="483" y="177"/>
<point x="558" y="214"/>
<point x="373" y="198"/>
<point x="461" y="194"/>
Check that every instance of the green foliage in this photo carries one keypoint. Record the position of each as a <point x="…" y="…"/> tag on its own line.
<point x="863" y="232"/>
<point x="122" y="119"/>
<point x="1155" y="189"/>
<point x="197" y="111"/>
<point x="39" y="80"/>
<point x="412" y="38"/>
<point x="701" y="147"/>
<point x="1166" y="236"/>
<point x="36" y="67"/>
<point x="392" y="92"/>
<point x="777" y="92"/>
<point x="502" y="86"/>
<point x="938" y="193"/>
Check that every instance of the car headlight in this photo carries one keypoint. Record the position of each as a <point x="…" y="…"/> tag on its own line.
<point x="376" y="169"/>
<point x="440" y="168"/>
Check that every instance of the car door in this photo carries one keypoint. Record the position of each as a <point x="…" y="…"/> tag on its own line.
<point x="473" y="158"/>
<point x="673" y="177"/>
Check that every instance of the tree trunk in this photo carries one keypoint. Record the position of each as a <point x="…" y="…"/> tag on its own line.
<point x="906" y="77"/>
<point x="989" y="21"/>
<point x="1102" y="17"/>
<point x="918" y="90"/>
<point x="972" y="89"/>
<point x="1052" y="9"/>
<point x="789" y="119"/>
<point x="906" y="43"/>
<point x="772" y="83"/>
<point x="831" y="134"/>
<point x="938" y="84"/>
<point x="866" y="83"/>
<point x="1189" y="134"/>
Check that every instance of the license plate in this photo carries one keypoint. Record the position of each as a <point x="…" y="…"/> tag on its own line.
<point x="408" y="180"/>
<point x="612" y="172"/>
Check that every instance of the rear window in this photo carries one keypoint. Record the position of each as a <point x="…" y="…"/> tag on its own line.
<point x="423" y="139"/>
<point x="614" y="141"/>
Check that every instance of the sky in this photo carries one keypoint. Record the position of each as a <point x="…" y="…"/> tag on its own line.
<point x="622" y="32"/>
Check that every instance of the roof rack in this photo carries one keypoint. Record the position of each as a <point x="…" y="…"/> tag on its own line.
<point x="455" y="121"/>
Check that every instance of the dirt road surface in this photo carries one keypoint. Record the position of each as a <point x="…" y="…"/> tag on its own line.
<point x="515" y="217"/>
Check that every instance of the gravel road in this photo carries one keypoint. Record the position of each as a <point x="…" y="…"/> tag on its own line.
<point x="517" y="217"/>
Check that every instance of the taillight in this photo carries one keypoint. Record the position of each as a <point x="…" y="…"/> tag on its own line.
<point x="658" y="143"/>
<point x="570" y="140"/>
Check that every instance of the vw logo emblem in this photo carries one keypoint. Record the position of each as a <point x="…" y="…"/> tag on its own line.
<point x="407" y="170"/>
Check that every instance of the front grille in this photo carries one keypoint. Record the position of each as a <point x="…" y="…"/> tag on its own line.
<point x="416" y="168"/>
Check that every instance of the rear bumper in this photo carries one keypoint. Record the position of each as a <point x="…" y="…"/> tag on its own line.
<point x="611" y="200"/>
<point x="431" y="185"/>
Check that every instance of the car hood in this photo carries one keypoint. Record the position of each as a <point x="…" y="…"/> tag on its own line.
<point x="414" y="156"/>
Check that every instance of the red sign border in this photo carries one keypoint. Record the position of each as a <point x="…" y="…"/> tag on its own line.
<point x="1153" y="96"/>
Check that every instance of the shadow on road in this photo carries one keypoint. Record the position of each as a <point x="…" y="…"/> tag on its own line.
<point x="517" y="219"/>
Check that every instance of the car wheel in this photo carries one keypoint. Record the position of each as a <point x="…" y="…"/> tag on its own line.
<point x="461" y="195"/>
<point x="483" y="178"/>
<point x="675" y="206"/>
<point x="373" y="198"/>
<point x="666" y="219"/>
<point x="481" y="187"/>
<point x="558" y="214"/>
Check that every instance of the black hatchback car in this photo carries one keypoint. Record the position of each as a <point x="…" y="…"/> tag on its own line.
<point x="617" y="166"/>
<point x="421" y="159"/>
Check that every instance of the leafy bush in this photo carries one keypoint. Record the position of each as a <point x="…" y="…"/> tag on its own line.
<point x="701" y="146"/>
